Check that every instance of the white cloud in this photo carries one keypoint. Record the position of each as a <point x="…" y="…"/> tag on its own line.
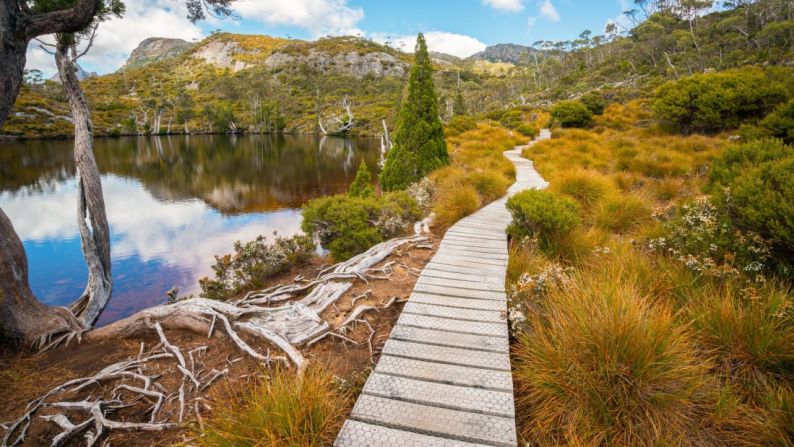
<point x="548" y="11"/>
<point x="320" y="17"/>
<point x="531" y="20"/>
<point x="458" y="45"/>
<point x="505" y="5"/>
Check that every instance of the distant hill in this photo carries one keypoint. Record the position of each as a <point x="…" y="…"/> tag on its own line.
<point x="507" y="53"/>
<point x="81" y="75"/>
<point x="155" y="49"/>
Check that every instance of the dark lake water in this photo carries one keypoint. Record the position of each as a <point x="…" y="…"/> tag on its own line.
<point x="172" y="203"/>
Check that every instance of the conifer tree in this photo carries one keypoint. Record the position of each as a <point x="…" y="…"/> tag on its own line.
<point x="419" y="145"/>
<point x="362" y="185"/>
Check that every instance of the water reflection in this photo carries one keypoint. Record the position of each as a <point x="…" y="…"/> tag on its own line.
<point x="173" y="203"/>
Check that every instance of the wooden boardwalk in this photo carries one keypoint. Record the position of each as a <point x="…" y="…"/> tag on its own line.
<point x="444" y="378"/>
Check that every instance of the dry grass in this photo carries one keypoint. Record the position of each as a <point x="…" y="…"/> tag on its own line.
<point x="637" y="348"/>
<point x="280" y="409"/>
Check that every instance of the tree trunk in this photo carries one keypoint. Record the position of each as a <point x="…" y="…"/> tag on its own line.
<point x="91" y="218"/>
<point x="22" y="317"/>
<point x="17" y="28"/>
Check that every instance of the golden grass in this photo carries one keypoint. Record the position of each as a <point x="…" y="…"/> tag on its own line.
<point x="282" y="409"/>
<point x="636" y="348"/>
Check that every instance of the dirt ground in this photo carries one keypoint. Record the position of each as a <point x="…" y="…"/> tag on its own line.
<point x="25" y="376"/>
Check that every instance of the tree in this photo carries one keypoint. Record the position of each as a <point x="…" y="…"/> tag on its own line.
<point x="23" y="319"/>
<point x="362" y="185"/>
<point x="419" y="145"/>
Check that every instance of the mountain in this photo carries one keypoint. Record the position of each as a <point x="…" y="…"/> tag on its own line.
<point x="155" y="49"/>
<point x="81" y="75"/>
<point x="507" y="53"/>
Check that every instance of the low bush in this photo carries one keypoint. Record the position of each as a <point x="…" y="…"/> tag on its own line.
<point x="594" y="102"/>
<point x="348" y="225"/>
<point x="489" y="183"/>
<point x="253" y="263"/>
<point x="454" y="203"/>
<point x="541" y="214"/>
<point x="572" y="114"/>
<point x="285" y="408"/>
<point x="756" y="182"/>
<point x="459" y="124"/>
<point x="780" y="123"/>
<point x="527" y="130"/>
<point x="713" y="102"/>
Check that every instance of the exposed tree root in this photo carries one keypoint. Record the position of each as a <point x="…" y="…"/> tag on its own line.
<point x="125" y="384"/>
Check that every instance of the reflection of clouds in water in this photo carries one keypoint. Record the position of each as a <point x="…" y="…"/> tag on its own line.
<point x="184" y="235"/>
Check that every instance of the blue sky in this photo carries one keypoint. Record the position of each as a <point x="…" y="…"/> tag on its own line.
<point x="456" y="27"/>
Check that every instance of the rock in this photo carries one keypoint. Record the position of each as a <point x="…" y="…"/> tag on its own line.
<point x="81" y="75"/>
<point x="351" y="63"/>
<point x="221" y="53"/>
<point x="506" y="52"/>
<point x="155" y="49"/>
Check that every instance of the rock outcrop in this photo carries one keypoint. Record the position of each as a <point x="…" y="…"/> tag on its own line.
<point x="221" y="53"/>
<point x="507" y="53"/>
<point x="155" y="49"/>
<point x="350" y="63"/>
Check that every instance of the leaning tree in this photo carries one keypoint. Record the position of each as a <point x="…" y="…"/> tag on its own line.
<point x="23" y="319"/>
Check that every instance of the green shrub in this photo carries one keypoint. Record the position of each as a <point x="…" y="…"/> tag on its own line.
<point x="594" y="102"/>
<point x="542" y="214"/>
<point x="511" y="119"/>
<point x="756" y="182"/>
<point x="780" y="123"/>
<point x="703" y="237"/>
<point x="459" y="124"/>
<point x="717" y="101"/>
<point x="362" y="185"/>
<point x="572" y="114"/>
<point x="253" y="263"/>
<point x="348" y="225"/>
<point x="527" y="130"/>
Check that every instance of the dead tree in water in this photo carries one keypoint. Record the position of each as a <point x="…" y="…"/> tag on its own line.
<point x="341" y="126"/>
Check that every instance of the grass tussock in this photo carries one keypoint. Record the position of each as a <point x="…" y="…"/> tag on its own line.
<point x="281" y="409"/>
<point x="651" y="321"/>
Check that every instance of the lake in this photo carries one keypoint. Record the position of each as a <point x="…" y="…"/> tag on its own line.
<point x="173" y="202"/>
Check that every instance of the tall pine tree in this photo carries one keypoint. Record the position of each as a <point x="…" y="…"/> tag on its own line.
<point x="419" y="145"/>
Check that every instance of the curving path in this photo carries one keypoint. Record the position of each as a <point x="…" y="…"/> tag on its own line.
<point x="444" y="378"/>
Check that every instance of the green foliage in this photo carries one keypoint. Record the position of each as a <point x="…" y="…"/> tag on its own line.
<point x="348" y="225"/>
<point x="572" y="114"/>
<point x="362" y="185"/>
<point x="419" y="144"/>
<point x="780" y="123"/>
<point x="702" y="237"/>
<point x="512" y="118"/>
<point x="594" y="102"/>
<point x="541" y="214"/>
<point x="758" y="186"/>
<point x="527" y="130"/>
<point x="459" y="124"/>
<point x="716" y="101"/>
<point x="253" y="263"/>
<point x="284" y="408"/>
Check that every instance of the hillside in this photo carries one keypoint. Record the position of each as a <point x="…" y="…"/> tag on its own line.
<point x="230" y="82"/>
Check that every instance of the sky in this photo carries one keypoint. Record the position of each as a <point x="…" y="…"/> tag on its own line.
<point x="460" y="28"/>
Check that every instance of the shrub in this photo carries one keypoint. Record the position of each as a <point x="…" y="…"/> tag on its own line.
<point x="703" y="238"/>
<point x="348" y="225"/>
<point x="527" y="130"/>
<point x="621" y="213"/>
<point x="572" y="114"/>
<point x="716" y="101"/>
<point x="602" y="365"/>
<point x="490" y="184"/>
<point x="283" y="409"/>
<point x="758" y="178"/>
<point x="362" y="185"/>
<point x="253" y="263"/>
<point x="459" y="124"/>
<point x="541" y="214"/>
<point x="587" y="187"/>
<point x="780" y="123"/>
<point x="594" y="102"/>
<point x="511" y="119"/>
<point x="455" y="202"/>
